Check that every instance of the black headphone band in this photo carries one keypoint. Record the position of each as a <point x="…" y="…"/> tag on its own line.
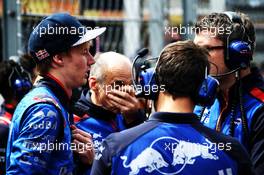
<point x="19" y="80"/>
<point x="231" y="61"/>
<point x="234" y="18"/>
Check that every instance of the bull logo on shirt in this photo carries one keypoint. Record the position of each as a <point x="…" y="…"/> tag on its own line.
<point x="98" y="147"/>
<point x="150" y="159"/>
<point x="186" y="152"/>
<point x="178" y="154"/>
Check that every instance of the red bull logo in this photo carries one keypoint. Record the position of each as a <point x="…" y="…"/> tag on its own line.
<point x="171" y="160"/>
<point x="186" y="152"/>
<point x="149" y="159"/>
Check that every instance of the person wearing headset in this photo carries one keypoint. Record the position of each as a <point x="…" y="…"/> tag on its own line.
<point x="15" y="83"/>
<point x="172" y="140"/>
<point x="238" y="110"/>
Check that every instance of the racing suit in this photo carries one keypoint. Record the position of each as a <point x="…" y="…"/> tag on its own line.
<point x="171" y="143"/>
<point x="99" y="122"/>
<point x="40" y="138"/>
<point x="225" y="116"/>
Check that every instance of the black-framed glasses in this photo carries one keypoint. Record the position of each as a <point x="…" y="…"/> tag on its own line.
<point x="211" y="48"/>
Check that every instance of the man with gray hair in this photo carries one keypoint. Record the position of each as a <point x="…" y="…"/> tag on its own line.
<point x="110" y="105"/>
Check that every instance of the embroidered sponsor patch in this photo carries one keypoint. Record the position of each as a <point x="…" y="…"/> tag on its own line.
<point x="41" y="54"/>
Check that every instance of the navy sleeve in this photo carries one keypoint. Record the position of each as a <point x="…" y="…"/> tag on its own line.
<point x="256" y="145"/>
<point x="30" y="150"/>
<point x="102" y="162"/>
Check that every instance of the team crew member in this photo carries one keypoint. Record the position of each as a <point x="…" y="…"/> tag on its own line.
<point x="173" y="141"/>
<point x="110" y="105"/>
<point x="15" y="83"/>
<point x="239" y="108"/>
<point x="41" y="122"/>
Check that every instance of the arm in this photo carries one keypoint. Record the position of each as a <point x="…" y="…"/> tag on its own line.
<point x="40" y="126"/>
<point x="102" y="165"/>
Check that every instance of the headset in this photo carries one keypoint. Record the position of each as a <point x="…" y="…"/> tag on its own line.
<point x="237" y="53"/>
<point x="147" y="86"/>
<point x="19" y="80"/>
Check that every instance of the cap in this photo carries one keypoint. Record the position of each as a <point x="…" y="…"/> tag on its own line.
<point x="58" y="33"/>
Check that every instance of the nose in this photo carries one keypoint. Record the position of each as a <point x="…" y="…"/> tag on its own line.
<point x="91" y="60"/>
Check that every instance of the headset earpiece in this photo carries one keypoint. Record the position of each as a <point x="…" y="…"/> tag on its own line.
<point x="238" y="53"/>
<point x="148" y="87"/>
<point x="19" y="81"/>
<point x="207" y="91"/>
<point x="144" y="79"/>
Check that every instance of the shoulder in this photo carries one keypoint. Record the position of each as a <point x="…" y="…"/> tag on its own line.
<point x="39" y="121"/>
<point x="254" y="102"/>
<point x="255" y="86"/>
<point x="232" y="147"/>
<point x="214" y="135"/>
<point x="38" y="108"/>
<point x="37" y="100"/>
<point x="258" y="93"/>
<point x="38" y="115"/>
<point x="120" y="140"/>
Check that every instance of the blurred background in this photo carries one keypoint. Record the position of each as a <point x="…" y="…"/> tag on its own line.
<point x="131" y="24"/>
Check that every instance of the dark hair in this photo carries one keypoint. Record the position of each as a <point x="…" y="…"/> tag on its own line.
<point x="249" y="29"/>
<point x="29" y="64"/>
<point x="181" y="68"/>
<point x="219" y="20"/>
<point x="44" y="65"/>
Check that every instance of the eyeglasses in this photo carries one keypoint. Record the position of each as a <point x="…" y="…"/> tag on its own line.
<point x="211" y="48"/>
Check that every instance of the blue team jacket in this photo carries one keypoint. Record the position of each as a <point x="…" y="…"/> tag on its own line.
<point x="171" y="143"/>
<point x="97" y="121"/>
<point x="39" y="137"/>
<point x="253" y="105"/>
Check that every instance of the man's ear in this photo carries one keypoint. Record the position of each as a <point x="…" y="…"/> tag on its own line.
<point x="93" y="84"/>
<point x="57" y="60"/>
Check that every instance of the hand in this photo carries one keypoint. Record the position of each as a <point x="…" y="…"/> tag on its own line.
<point x="83" y="144"/>
<point x="125" y="100"/>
